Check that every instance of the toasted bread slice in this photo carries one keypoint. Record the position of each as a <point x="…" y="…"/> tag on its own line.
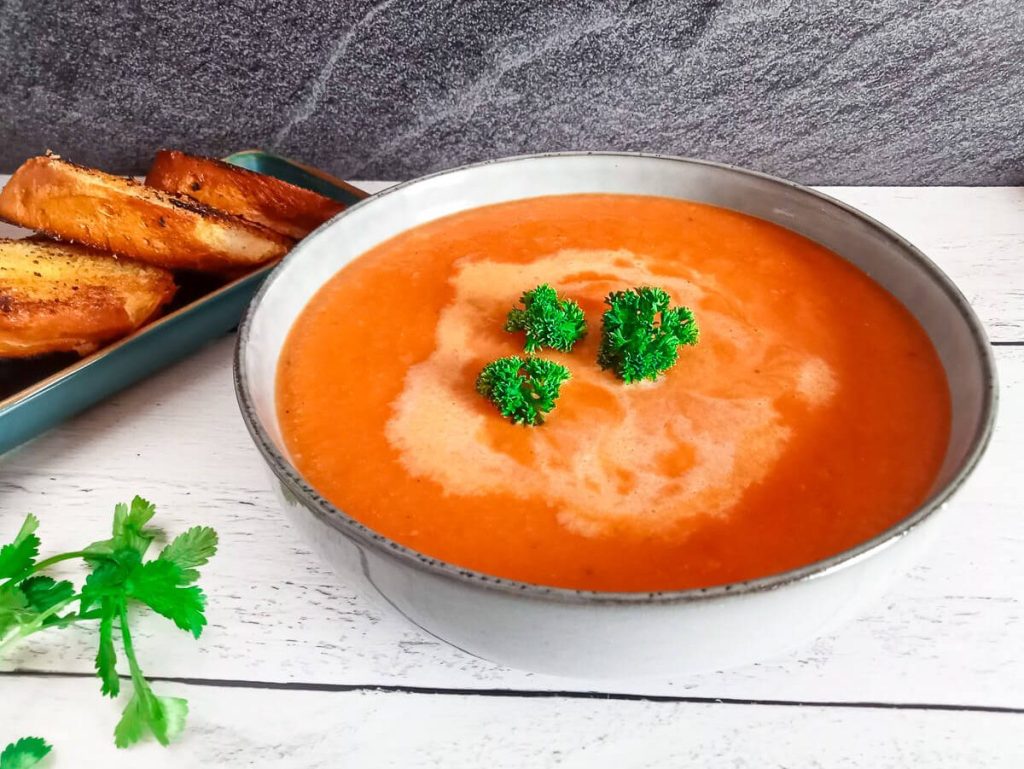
<point x="277" y="205"/>
<point x="58" y="297"/>
<point x="115" y="214"/>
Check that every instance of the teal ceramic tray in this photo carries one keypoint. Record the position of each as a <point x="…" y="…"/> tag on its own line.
<point x="40" y="393"/>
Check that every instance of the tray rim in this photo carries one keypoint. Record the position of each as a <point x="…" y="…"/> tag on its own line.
<point x="98" y="355"/>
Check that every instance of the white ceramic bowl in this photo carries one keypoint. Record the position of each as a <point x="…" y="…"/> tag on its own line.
<point x="595" y="634"/>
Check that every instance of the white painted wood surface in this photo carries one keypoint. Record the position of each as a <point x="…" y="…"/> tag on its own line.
<point x="950" y="634"/>
<point x="232" y="728"/>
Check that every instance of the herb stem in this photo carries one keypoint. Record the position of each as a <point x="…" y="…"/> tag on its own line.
<point x="10" y="641"/>
<point x="56" y="608"/>
<point x="47" y="562"/>
<point x="37" y="623"/>
<point x="129" y="650"/>
<point x="14" y="637"/>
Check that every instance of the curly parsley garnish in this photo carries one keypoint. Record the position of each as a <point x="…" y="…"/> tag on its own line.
<point x="118" y="578"/>
<point x="641" y="335"/>
<point x="524" y="391"/>
<point x="547" y="320"/>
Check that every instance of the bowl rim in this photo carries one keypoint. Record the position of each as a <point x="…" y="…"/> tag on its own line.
<point x="348" y="526"/>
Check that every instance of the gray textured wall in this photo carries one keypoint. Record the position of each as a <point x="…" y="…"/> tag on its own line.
<point x="837" y="91"/>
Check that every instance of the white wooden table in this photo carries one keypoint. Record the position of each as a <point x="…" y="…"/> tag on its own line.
<point x="297" y="670"/>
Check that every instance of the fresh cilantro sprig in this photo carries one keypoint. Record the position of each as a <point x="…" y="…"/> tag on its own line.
<point x="547" y="320"/>
<point x="26" y="752"/>
<point x="641" y="335"/>
<point x="522" y="390"/>
<point x="119" y="578"/>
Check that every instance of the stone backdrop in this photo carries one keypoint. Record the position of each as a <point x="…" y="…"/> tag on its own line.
<point x="829" y="91"/>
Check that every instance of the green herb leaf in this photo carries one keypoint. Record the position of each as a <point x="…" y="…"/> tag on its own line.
<point x="547" y="320"/>
<point x="641" y="335"/>
<point x="108" y="576"/>
<point x="14" y="608"/>
<point x="106" y="657"/>
<point x="524" y="391"/>
<point x="19" y="556"/>
<point x="164" y="717"/>
<point x="190" y="550"/>
<point x="31" y="602"/>
<point x="163" y="587"/>
<point x="135" y="517"/>
<point x="129" y="529"/>
<point x="26" y="752"/>
<point x="43" y="593"/>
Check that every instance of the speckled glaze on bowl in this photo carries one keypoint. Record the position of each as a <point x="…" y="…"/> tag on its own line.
<point x="598" y="634"/>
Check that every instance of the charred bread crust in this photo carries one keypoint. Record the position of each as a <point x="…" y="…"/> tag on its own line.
<point x="264" y="200"/>
<point x="111" y="213"/>
<point x="60" y="297"/>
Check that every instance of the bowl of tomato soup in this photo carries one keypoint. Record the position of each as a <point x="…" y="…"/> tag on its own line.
<point x="759" y="491"/>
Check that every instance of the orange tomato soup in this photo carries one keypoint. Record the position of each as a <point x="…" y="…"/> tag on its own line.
<point x="813" y="414"/>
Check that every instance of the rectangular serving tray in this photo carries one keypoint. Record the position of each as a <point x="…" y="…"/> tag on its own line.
<point x="39" y="393"/>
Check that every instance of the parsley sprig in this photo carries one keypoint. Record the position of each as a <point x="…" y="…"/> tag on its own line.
<point x="547" y="320"/>
<point x="119" y="578"/>
<point x="522" y="390"/>
<point x="640" y="339"/>
<point x="641" y="335"/>
<point x="25" y="753"/>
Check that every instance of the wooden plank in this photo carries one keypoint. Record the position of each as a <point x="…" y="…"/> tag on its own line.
<point x="976" y="235"/>
<point x="244" y="728"/>
<point x="951" y="632"/>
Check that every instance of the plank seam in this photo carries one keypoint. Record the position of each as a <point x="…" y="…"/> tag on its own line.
<point x="228" y="683"/>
